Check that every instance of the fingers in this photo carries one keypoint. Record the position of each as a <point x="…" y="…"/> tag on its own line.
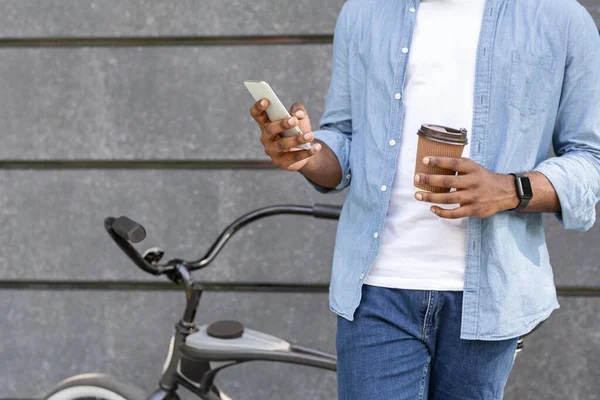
<point x="285" y="144"/>
<point x="285" y="160"/>
<point x="460" y="212"/>
<point x="258" y="112"/>
<point x="455" y="164"/>
<point x="444" y="181"/>
<point x="457" y="197"/>
<point x="274" y="128"/>
<point x="299" y="111"/>
<point x="298" y="108"/>
<point x="288" y="143"/>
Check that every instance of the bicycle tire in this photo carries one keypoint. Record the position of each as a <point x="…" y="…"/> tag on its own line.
<point x="95" y="386"/>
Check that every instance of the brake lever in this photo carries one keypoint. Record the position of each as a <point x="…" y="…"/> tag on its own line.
<point x="153" y="255"/>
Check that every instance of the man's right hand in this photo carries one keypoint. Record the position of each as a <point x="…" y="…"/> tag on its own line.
<point x="283" y="150"/>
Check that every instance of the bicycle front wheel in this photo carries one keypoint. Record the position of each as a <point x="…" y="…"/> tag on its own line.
<point x="95" y="387"/>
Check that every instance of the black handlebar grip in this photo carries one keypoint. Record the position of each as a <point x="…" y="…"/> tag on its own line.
<point x="327" y="211"/>
<point x="129" y="229"/>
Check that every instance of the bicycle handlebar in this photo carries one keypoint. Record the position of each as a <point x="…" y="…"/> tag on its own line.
<point x="124" y="230"/>
<point x="326" y="211"/>
<point x="121" y="239"/>
<point x="129" y="229"/>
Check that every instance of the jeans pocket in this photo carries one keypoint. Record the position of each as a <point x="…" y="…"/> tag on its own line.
<point x="530" y="84"/>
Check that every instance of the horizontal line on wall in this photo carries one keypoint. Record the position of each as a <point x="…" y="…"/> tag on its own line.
<point x="161" y="286"/>
<point x="578" y="291"/>
<point x="166" y="41"/>
<point x="135" y="164"/>
<point x="283" y="287"/>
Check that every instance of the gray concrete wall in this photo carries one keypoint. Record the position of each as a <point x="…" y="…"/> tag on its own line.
<point x="187" y="103"/>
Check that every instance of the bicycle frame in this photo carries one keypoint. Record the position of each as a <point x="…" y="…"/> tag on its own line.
<point x="179" y="271"/>
<point x="172" y="377"/>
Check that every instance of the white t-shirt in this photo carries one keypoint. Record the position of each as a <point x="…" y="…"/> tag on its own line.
<point x="420" y="250"/>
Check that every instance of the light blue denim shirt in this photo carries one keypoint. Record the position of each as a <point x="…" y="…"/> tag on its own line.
<point x="537" y="85"/>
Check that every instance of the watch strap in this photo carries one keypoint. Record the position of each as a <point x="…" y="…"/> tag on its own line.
<point x="523" y="198"/>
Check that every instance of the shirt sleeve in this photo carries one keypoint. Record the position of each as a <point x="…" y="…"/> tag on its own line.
<point x="575" y="171"/>
<point x="336" y="124"/>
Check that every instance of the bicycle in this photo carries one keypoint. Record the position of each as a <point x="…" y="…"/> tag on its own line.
<point x="197" y="353"/>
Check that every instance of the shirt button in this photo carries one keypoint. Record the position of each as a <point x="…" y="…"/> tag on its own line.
<point x="362" y="276"/>
<point x="405" y="50"/>
<point x="348" y="176"/>
<point x="412" y="9"/>
<point x="392" y="142"/>
<point x="383" y="188"/>
<point x="376" y="235"/>
<point x="398" y="96"/>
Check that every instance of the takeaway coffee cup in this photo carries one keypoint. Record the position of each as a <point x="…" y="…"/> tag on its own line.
<point x="441" y="141"/>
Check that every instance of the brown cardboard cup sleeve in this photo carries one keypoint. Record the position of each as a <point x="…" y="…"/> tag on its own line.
<point x="436" y="140"/>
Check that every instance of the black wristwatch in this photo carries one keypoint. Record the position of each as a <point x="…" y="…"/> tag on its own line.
<point x="524" y="190"/>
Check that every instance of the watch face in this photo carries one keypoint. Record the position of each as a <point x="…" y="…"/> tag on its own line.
<point x="526" y="186"/>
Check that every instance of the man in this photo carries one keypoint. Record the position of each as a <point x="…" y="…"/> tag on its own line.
<point x="433" y="290"/>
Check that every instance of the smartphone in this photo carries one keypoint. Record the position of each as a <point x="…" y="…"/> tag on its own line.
<point x="276" y="111"/>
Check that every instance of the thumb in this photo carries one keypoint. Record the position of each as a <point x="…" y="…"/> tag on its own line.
<point x="299" y="111"/>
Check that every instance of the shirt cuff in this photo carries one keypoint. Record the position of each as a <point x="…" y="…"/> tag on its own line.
<point x="578" y="205"/>
<point x="339" y="143"/>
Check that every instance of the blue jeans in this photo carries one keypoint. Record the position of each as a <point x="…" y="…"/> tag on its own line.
<point x="405" y="344"/>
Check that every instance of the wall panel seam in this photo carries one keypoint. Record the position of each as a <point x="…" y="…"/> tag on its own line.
<point x="157" y="41"/>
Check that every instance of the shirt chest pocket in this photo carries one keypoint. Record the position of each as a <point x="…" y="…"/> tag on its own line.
<point x="531" y="83"/>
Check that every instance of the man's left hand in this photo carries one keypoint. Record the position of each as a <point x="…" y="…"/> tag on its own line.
<point x="480" y="192"/>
